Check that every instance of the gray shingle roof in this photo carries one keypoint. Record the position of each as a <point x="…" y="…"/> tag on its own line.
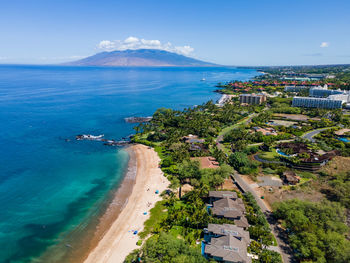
<point x="228" y="229"/>
<point x="229" y="248"/>
<point x="223" y="194"/>
<point x="228" y="208"/>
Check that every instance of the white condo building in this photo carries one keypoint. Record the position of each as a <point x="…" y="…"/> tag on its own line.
<point x="334" y="99"/>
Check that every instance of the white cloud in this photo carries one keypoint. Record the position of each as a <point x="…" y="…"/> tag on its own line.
<point x="185" y="50"/>
<point x="131" y="40"/>
<point x="324" y="44"/>
<point x="136" y="43"/>
<point x="106" y="45"/>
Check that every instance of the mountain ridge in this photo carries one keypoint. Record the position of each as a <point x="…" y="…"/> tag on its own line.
<point x="140" y="58"/>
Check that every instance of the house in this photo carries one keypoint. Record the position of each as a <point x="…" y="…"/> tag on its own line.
<point x="192" y="139"/>
<point x="217" y="195"/>
<point x="228" y="208"/>
<point x="312" y="162"/>
<point x="226" y="204"/>
<point x="195" y="143"/>
<point x="195" y="147"/>
<point x="290" y="178"/>
<point x="227" y="249"/>
<point x="242" y="222"/>
<point x="207" y="162"/>
<point x="217" y="230"/>
<point x="295" y="147"/>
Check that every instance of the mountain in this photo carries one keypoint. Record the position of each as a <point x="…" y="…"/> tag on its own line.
<point x="140" y="58"/>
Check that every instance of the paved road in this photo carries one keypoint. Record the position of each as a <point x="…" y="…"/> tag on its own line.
<point x="309" y="135"/>
<point x="281" y="237"/>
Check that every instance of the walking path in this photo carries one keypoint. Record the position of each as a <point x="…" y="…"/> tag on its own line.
<point x="280" y="235"/>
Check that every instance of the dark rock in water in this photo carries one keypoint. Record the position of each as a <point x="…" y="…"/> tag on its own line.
<point x="116" y="143"/>
<point x="138" y="119"/>
<point x="99" y="138"/>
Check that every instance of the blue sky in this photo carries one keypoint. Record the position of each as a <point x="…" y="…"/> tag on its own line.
<point x="231" y="32"/>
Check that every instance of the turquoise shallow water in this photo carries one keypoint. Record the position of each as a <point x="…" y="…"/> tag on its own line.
<point x="48" y="186"/>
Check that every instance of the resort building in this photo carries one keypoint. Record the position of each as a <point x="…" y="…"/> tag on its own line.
<point x="252" y="98"/>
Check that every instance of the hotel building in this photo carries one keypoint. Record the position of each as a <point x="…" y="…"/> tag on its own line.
<point x="252" y="98"/>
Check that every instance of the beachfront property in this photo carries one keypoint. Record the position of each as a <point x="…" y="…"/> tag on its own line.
<point x="192" y="139"/>
<point x="226" y="243"/>
<point x="195" y="143"/>
<point x="217" y="195"/>
<point x="228" y="206"/>
<point x="227" y="249"/>
<point x="252" y="98"/>
<point x="217" y="230"/>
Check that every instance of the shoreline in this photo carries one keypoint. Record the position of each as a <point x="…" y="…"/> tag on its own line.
<point x="96" y="226"/>
<point x="143" y="178"/>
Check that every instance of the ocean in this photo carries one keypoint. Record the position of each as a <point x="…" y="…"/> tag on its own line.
<point x="51" y="185"/>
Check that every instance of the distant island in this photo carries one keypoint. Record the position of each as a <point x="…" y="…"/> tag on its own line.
<point x="140" y="58"/>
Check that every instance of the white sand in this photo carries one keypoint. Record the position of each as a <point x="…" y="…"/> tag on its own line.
<point x="119" y="240"/>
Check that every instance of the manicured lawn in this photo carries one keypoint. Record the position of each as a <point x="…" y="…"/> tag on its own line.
<point x="270" y="156"/>
<point x="158" y="212"/>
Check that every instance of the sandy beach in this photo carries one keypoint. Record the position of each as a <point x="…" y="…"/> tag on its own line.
<point x="119" y="240"/>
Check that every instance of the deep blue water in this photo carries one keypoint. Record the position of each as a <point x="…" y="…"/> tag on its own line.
<point x="49" y="186"/>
